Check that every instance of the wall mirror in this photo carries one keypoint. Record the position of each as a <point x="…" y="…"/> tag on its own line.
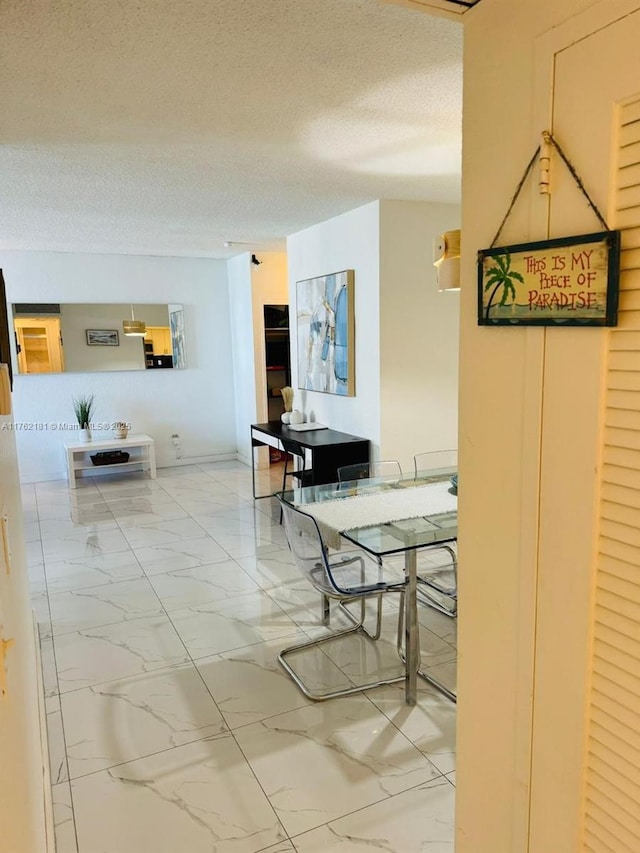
<point x="70" y="337"/>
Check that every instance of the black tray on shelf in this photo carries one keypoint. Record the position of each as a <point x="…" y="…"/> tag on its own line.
<point x="110" y="457"/>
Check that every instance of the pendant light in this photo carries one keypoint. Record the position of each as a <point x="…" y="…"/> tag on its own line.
<point x="134" y="328"/>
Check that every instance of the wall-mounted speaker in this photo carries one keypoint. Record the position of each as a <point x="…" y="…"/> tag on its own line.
<point x="446" y="260"/>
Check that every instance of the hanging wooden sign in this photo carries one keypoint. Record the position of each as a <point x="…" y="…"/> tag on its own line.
<point x="570" y="281"/>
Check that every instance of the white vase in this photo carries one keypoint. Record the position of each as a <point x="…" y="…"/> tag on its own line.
<point x="285" y="417"/>
<point x="85" y="434"/>
<point x="296" y="417"/>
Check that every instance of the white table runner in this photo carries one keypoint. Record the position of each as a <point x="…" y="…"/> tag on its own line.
<point x="382" y="507"/>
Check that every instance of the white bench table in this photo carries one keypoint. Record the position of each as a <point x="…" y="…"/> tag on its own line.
<point x="78" y="453"/>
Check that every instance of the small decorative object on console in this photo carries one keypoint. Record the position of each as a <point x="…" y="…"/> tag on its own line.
<point x="287" y="399"/>
<point x="120" y="429"/>
<point x="110" y="457"/>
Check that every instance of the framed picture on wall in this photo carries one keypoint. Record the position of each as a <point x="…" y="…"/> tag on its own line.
<point x="567" y="281"/>
<point x="326" y="333"/>
<point x="103" y="338"/>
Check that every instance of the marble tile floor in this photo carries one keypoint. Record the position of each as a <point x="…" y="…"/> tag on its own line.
<point x="161" y="606"/>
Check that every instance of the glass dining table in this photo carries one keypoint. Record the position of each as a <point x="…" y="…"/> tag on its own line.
<point x="387" y="516"/>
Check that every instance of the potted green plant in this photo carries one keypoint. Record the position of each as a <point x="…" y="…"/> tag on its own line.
<point x="83" y="408"/>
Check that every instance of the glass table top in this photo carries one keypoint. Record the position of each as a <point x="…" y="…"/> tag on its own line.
<point x="390" y="537"/>
<point x="394" y="537"/>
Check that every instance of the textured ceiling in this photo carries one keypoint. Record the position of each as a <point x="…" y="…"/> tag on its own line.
<point x="172" y="126"/>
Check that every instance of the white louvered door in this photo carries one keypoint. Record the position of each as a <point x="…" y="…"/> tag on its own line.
<point x="585" y="752"/>
<point x="612" y="807"/>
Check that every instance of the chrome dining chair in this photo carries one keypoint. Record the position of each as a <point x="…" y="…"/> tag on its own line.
<point x="304" y="476"/>
<point x="435" y="460"/>
<point x="346" y="577"/>
<point x="441" y="579"/>
<point x="386" y="469"/>
<point x="380" y="470"/>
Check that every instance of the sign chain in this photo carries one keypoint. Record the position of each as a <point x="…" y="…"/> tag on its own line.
<point x="516" y="194"/>
<point x="548" y="137"/>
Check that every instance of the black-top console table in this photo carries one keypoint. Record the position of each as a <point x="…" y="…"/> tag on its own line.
<point x="328" y="448"/>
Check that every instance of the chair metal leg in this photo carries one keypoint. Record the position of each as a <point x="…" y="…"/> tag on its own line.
<point x="435" y="683"/>
<point x="378" y="632"/>
<point x="375" y="636"/>
<point x="320" y="697"/>
<point x="455" y="580"/>
<point x="400" y="637"/>
<point x="453" y="597"/>
<point x="357" y="628"/>
<point x="360" y="623"/>
<point x="326" y="610"/>
<point x="430" y="601"/>
<point x="284" y="480"/>
<point x="438" y="685"/>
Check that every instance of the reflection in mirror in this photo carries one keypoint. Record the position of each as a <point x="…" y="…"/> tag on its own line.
<point x="89" y="337"/>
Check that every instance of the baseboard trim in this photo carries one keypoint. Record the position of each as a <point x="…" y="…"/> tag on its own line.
<point x="160" y="463"/>
<point x="197" y="460"/>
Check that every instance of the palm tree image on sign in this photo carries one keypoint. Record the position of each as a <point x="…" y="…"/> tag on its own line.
<point x="501" y="276"/>
<point x="571" y="281"/>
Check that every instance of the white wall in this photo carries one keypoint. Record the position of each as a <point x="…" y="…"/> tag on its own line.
<point x="242" y="337"/>
<point x="22" y="815"/>
<point x="418" y="333"/>
<point x="349" y="241"/>
<point x="197" y="403"/>
<point x="406" y="332"/>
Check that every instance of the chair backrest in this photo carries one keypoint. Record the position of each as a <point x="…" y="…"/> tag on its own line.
<point x="290" y="445"/>
<point x="353" y="472"/>
<point x="308" y="548"/>
<point x="436" y="460"/>
<point x="385" y="469"/>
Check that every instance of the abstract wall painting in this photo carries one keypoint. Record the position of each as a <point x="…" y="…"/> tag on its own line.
<point x="326" y="333"/>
